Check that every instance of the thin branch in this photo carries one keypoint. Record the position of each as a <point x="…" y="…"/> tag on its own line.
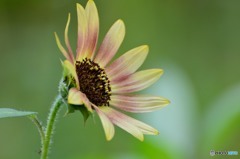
<point x="38" y="124"/>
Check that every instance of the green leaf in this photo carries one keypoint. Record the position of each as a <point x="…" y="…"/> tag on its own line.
<point x="8" y="112"/>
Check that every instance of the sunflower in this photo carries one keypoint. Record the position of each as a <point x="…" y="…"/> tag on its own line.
<point x="98" y="84"/>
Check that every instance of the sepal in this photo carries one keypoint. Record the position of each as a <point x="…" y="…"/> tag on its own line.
<point x="63" y="88"/>
<point x="69" y="74"/>
<point x="72" y="108"/>
<point x="66" y="83"/>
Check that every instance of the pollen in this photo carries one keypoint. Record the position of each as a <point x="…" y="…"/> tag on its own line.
<point x="93" y="82"/>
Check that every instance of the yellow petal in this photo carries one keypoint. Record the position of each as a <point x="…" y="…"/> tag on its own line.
<point x="82" y="31"/>
<point x="128" y="63"/>
<point x="129" y="124"/>
<point x="61" y="48"/>
<point x="107" y="124"/>
<point x="111" y="43"/>
<point x="67" y="39"/>
<point x="145" y="128"/>
<point x="93" y="28"/>
<point x="138" y="103"/>
<point x="121" y="121"/>
<point x="137" y="81"/>
<point x="78" y="98"/>
<point x="75" y="97"/>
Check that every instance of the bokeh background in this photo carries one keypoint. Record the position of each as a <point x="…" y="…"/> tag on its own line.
<point x="196" y="42"/>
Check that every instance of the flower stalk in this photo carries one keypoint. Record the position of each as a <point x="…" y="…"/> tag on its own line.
<point x="50" y="126"/>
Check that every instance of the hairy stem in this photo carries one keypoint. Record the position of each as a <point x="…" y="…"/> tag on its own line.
<point x="50" y="126"/>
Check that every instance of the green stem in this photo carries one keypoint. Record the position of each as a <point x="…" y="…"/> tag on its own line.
<point x="50" y="125"/>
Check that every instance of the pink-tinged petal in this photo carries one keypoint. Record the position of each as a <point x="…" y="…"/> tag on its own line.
<point x="145" y="128"/>
<point x="67" y="40"/>
<point x="87" y="103"/>
<point x="107" y="124"/>
<point x="128" y="63"/>
<point x="61" y="48"/>
<point x="138" y="103"/>
<point x="93" y="28"/>
<point x="82" y="32"/>
<point x="70" y="69"/>
<point x="137" y="81"/>
<point x="111" y="43"/>
<point x="142" y="127"/>
<point x="121" y="121"/>
<point x="78" y="98"/>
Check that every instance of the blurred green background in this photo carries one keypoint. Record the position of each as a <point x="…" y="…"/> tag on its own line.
<point x="196" y="42"/>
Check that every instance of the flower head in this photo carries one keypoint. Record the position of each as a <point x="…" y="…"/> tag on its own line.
<point x="97" y="84"/>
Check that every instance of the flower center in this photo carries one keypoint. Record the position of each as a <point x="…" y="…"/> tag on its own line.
<point x="93" y="82"/>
